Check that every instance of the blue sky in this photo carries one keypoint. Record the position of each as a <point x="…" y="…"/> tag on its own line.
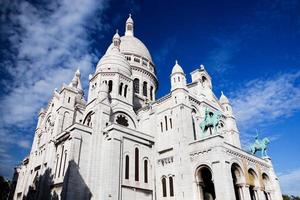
<point x="250" y="48"/>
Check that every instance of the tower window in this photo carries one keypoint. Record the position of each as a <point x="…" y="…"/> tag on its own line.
<point x="121" y="119"/>
<point x="110" y="86"/>
<point x="136" y="85"/>
<point x="125" y="90"/>
<point x="146" y="171"/>
<point x="171" y="125"/>
<point x="120" y="89"/>
<point x="136" y="60"/>
<point x="161" y="127"/>
<point x="166" y="123"/>
<point x="129" y="27"/>
<point x="164" y="187"/>
<point x="151" y="93"/>
<point x="136" y="164"/>
<point x="127" y="167"/>
<point x="171" y="186"/>
<point x="145" y="88"/>
<point x="69" y="99"/>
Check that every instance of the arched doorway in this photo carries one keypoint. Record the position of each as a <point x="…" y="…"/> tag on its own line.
<point x="253" y="184"/>
<point x="266" y="186"/>
<point x="205" y="185"/>
<point x="238" y="180"/>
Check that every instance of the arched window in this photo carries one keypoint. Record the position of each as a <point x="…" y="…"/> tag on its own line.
<point x="121" y="119"/>
<point x="56" y="165"/>
<point x="151" y="93"/>
<point x="120" y="89"/>
<point x="171" y="186"/>
<point x="164" y="187"/>
<point x="110" y="86"/>
<point x="88" y="120"/>
<point x="171" y="124"/>
<point x="166" y="123"/>
<point x="125" y="90"/>
<point x="178" y="79"/>
<point x="161" y="127"/>
<point x="62" y="151"/>
<point x="65" y="160"/>
<point x="145" y="88"/>
<point x="126" y="167"/>
<point x="136" y="164"/>
<point x="146" y="171"/>
<point x="136" y="85"/>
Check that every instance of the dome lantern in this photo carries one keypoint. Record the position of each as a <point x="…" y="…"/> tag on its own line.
<point x="129" y="26"/>
<point x="116" y="40"/>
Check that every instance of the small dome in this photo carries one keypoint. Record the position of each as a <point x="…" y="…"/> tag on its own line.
<point x="177" y="68"/>
<point x="132" y="45"/>
<point x="116" y="36"/>
<point x="129" y="20"/>
<point x="223" y="99"/>
<point x="114" y="61"/>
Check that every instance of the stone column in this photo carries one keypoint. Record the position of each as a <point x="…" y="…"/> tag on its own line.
<point x="223" y="182"/>
<point x="200" y="194"/>
<point x="246" y="192"/>
<point x="241" y="191"/>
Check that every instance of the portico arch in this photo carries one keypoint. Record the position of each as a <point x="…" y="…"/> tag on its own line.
<point x="205" y="184"/>
<point x="238" y="181"/>
<point x="266" y="186"/>
<point x="253" y="184"/>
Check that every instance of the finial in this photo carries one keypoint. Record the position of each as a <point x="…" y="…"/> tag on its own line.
<point x="222" y="93"/>
<point x="117" y="31"/>
<point x="77" y="73"/>
<point x="129" y="14"/>
<point x="201" y="66"/>
<point x="176" y="62"/>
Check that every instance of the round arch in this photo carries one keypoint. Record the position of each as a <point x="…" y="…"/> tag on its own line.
<point x="205" y="184"/>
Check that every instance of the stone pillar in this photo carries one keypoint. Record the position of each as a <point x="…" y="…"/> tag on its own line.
<point x="200" y="195"/>
<point x="257" y="193"/>
<point x="246" y="192"/>
<point x="241" y="191"/>
<point x="223" y="181"/>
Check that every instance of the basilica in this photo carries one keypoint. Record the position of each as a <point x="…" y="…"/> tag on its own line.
<point x="119" y="142"/>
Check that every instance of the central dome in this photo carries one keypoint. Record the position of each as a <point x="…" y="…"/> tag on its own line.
<point x="132" y="45"/>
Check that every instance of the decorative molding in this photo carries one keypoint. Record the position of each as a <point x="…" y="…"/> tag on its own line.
<point x="165" y="161"/>
<point x="197" y="154"/>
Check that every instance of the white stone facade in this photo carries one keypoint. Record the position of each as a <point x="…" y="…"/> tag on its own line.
<point x="122" y="143"/>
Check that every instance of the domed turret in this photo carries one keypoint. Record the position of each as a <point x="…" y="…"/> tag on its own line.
<point x="114" y="60"/>
<point x="116" y="40"/>
<point x="177" y="68"/>
<point x="178" y="79"/>
<point x="225" y="104"/>
<point x="223" y="99"/>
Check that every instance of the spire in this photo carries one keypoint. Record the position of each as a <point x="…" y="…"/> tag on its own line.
<point x="76" y="82"/>
<point x="79" y="86"/>
<point x="129" y="26"/>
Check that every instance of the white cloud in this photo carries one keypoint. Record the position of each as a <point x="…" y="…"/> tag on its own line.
<point x="265" y="100"/>
<point x="290" y="182"/>
<point x="220" y="57"/>
<point x="49" y="41"/>
<point x="262" y="101"/>
<point x="46" y="41"/>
